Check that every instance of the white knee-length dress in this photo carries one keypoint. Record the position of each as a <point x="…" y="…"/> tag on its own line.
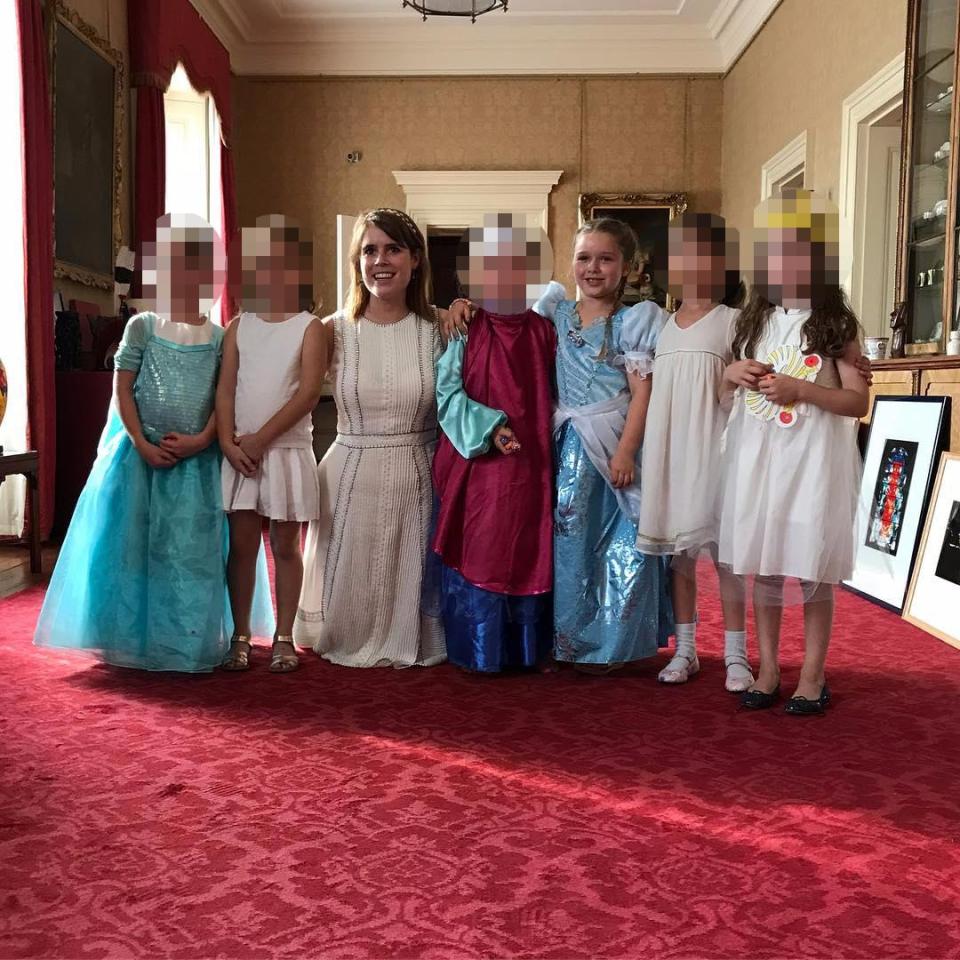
<point x="284" y="485"/>
<point x="364" y="561"/>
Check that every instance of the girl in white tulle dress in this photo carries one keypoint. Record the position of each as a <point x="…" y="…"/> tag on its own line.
<point x="685" y="423"/>
<point x="791" y="469"/>
<point x="270" y="381"/>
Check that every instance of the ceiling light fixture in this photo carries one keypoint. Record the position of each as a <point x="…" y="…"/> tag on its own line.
<point x="455" y="8"/>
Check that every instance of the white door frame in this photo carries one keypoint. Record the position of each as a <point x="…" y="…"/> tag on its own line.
<point x="783" y="163"/>
<point x="870" y="101"/>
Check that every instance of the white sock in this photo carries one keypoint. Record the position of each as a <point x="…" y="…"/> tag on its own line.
<point x="686" y="634"/>
<point x="735" y="645"/>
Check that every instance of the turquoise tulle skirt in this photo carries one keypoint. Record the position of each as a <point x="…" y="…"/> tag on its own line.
<point x="141" y="577"/>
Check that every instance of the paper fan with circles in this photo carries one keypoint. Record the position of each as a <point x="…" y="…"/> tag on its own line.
<point x="790" y="361"/>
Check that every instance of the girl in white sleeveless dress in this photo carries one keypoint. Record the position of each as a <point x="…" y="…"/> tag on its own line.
<point x="791" y="468"/>
<point x="270" y="381"/>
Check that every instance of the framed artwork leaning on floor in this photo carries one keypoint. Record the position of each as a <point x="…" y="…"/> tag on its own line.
<point x="907" y="436"/>
<point x="933" y="602"/>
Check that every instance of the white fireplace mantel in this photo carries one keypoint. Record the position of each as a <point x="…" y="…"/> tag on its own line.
<point x="460" y="198"/>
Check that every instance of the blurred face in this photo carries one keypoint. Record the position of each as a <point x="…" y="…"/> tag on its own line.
<point x="276" y="271"/>
<point x="385" y="266"/>
<point x="505" y="263"/>
<point x="788" y="257"/>
<point x="697" y="270"/>
<point x="598" y="265"/>
<point x="191" y="276"/>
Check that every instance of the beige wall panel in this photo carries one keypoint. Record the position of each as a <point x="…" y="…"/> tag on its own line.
<point x="293" y="136"/>
<point x="702" y="162"/>
<point x="795" y="75"/>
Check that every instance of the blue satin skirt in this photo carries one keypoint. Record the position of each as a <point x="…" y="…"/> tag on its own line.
<point x="489" y="632"/>
<point x="611" y="604"/>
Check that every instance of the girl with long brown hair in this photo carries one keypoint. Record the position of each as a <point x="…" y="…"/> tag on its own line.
<point x="364" y="557"/>
<point x="791" y="467"/>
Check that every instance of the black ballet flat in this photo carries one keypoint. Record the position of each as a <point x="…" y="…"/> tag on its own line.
<point x="803" y="707"/>
<point x="758" y="700"/>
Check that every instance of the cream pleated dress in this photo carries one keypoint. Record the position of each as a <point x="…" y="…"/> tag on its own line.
<point x="681" y="447"/>
<point x="364" y="559"/>
<point x="284" y="486"/>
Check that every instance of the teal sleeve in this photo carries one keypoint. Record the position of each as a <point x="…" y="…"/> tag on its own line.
<point x="135" y="335"/>
<point x="469" y="425"/>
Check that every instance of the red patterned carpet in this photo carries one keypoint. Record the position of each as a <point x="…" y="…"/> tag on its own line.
<point x="357" y="814"/>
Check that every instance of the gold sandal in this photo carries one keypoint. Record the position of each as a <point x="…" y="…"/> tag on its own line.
<point x="283" y="662"/>
<point x="238" y="657"/>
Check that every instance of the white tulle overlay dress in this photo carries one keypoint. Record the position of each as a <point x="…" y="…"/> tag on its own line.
<point x="364" y="560"/>
<point x="681" y="447"/>
<point x="284" y="486"/>
<point x="789" y="493"/>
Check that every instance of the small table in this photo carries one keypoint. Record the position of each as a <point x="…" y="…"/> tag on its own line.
<point x="27" y="463"/>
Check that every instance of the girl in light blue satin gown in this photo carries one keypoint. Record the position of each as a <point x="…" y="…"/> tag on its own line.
<point x="140" y="580"/>
<point x="611" y="603"/>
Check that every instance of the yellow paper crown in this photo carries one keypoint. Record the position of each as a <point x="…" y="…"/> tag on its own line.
<point x="800" y="210"/>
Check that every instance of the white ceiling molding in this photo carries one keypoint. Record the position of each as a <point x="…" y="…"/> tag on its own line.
<point x="379" y="38"/>
<point x="460" y="198"/>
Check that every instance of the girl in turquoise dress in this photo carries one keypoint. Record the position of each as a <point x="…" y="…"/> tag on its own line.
<point x="140" y="580"/>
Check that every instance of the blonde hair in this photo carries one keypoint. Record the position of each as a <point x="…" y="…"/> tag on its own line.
<point x="400" y="227"/>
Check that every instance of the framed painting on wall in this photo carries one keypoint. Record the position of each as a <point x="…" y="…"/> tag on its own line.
<point x="88" y="88"/>
<point x="933" y="603"/>
<point x="649" y="214"/>
<point x="907" y="436"/>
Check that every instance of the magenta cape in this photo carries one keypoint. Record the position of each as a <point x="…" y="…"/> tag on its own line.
<point x="495" y="523"/>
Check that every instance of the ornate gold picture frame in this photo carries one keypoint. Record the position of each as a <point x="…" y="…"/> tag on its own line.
<point x="87" y="88"/>
<point x="649" y="214"/>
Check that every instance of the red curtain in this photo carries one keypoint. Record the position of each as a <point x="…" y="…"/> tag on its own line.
<point x="150" y="161"/>
<point x="38" y="250"/>
<point x="163" y="33"/>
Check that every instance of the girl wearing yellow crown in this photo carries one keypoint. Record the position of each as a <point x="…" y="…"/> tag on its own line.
<point x="791" y="468"/>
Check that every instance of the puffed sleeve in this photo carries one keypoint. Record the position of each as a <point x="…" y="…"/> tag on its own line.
<point x="642" y="324"/>
<point x="468" y="424"/>
<point x="135" y="335"/>
<point x="546" y="306"/>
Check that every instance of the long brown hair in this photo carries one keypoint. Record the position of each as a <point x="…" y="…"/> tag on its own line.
<point x="827" y="331"/>
<point x="400" y="227"/>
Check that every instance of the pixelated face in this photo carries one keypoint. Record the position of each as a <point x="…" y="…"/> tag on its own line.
<point x="698" y="263"/>
<point x="386" y="266"/>
<point x="796" y="250"/>
<point x="185" y="269"/>
<point x="504" y="265"/>
<point x="788" y="258"/>
<point x="277" y="267"/>
<point x="598" y="264"/>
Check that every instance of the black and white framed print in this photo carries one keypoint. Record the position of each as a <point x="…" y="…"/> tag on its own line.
<point x="907" y="436"/>
<point x="933" y="603"/>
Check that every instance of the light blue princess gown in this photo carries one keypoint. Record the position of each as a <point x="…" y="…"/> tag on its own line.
<point x="141" y="577"/>
<point x="611" y="603"/>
